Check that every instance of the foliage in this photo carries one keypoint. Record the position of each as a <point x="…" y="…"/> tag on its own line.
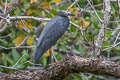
<point x="22" y="33"/>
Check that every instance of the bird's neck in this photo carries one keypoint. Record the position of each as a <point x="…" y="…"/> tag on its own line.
<point x="62" y="15"/>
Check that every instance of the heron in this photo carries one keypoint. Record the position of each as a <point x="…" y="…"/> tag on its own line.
<point x="54" y="29"/>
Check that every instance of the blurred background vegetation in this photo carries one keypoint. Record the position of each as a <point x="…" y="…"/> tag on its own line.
<point x="23" y="33"/>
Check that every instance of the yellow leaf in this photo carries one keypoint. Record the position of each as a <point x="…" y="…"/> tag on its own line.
<point x="47" y="53"/>
<point x="45" y="5"/>
<point x="33" y="1"/>
<point x="84" y="23"/>
<point x="71" y="10"/>
<point x="29" y="26"/>
<point x="30" y="40"/>
<point x="29" y="11"/>
<point x="19" y="39"/>
<point x="74" y="10"/>
<point x="57" y="1"/>
<point x="20" y="24"/>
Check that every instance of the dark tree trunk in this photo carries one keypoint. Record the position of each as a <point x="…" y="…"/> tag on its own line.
<point x="63" y="68"/>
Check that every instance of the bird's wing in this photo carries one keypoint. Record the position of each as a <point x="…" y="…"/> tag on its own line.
<point x="52" y="30"/>
<point x="55" y="31"/>
<point x="46" y="30"/>
<point x="50" y="34"/>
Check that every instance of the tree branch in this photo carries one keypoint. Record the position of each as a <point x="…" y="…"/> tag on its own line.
<point x="63" y="68"/>
<point x="12" y="6"/>
<point x="28" y="17"/>
<point x="39" y="19"/>
<point x="101" y="35"/>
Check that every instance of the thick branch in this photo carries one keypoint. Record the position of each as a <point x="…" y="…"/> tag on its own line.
<point x="63" y="68"/>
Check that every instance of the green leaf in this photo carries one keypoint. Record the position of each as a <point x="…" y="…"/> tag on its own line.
<point x="7" y="1"/>
<point x="72" y="28"/>
<point x="78" y="76"/>
<point x="15" y="55"/>
<point x="17" y="12"/>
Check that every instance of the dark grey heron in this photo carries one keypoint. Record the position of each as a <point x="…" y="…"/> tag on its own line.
<point x="55" y="28"/>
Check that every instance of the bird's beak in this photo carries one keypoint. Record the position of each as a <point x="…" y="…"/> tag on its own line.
<point x="70" y="14"/>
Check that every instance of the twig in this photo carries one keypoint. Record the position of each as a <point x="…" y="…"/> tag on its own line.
<point x="82" y="33"/>
<point x="38" y="19"/>
<point x="77" y="26"/>
<point x="24" y="40"/>
<point x="25" y="28"/>
<point x="89" y="1"/>
<point x="72" y="4"/>
<point x="116" y="29"/>
<point x="3" y="18"/>
<point x="111" y="46"/>
<point x="116" y="38"/>
<point x="5" y="6"/>
<point x="5" y="36"/>
<point x="19" y="60"/>
<point x="3" y="28"/>
<point x="1" y="47"/>
<point x="1" y="66"/>
<point x="29" y="63"/>
<point x="28" y="17"/>
<point x="116" y="21"/>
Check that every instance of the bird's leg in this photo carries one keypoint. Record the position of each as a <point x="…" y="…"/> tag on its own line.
<point x="52" y="59"/>
<point x="53" y="56"/>
<point x="67" y="54"/>
<point x="70" y="52"/>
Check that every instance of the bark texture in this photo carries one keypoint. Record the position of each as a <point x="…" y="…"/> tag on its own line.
<point x="63" y="68"/>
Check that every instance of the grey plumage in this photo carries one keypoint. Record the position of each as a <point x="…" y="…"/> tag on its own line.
<point x="55" y="28"/>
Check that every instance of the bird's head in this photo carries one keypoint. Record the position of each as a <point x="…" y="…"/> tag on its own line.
<point x="65" y="13"/>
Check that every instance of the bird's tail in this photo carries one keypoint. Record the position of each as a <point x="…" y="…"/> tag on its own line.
<point x="37" y="54"/>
